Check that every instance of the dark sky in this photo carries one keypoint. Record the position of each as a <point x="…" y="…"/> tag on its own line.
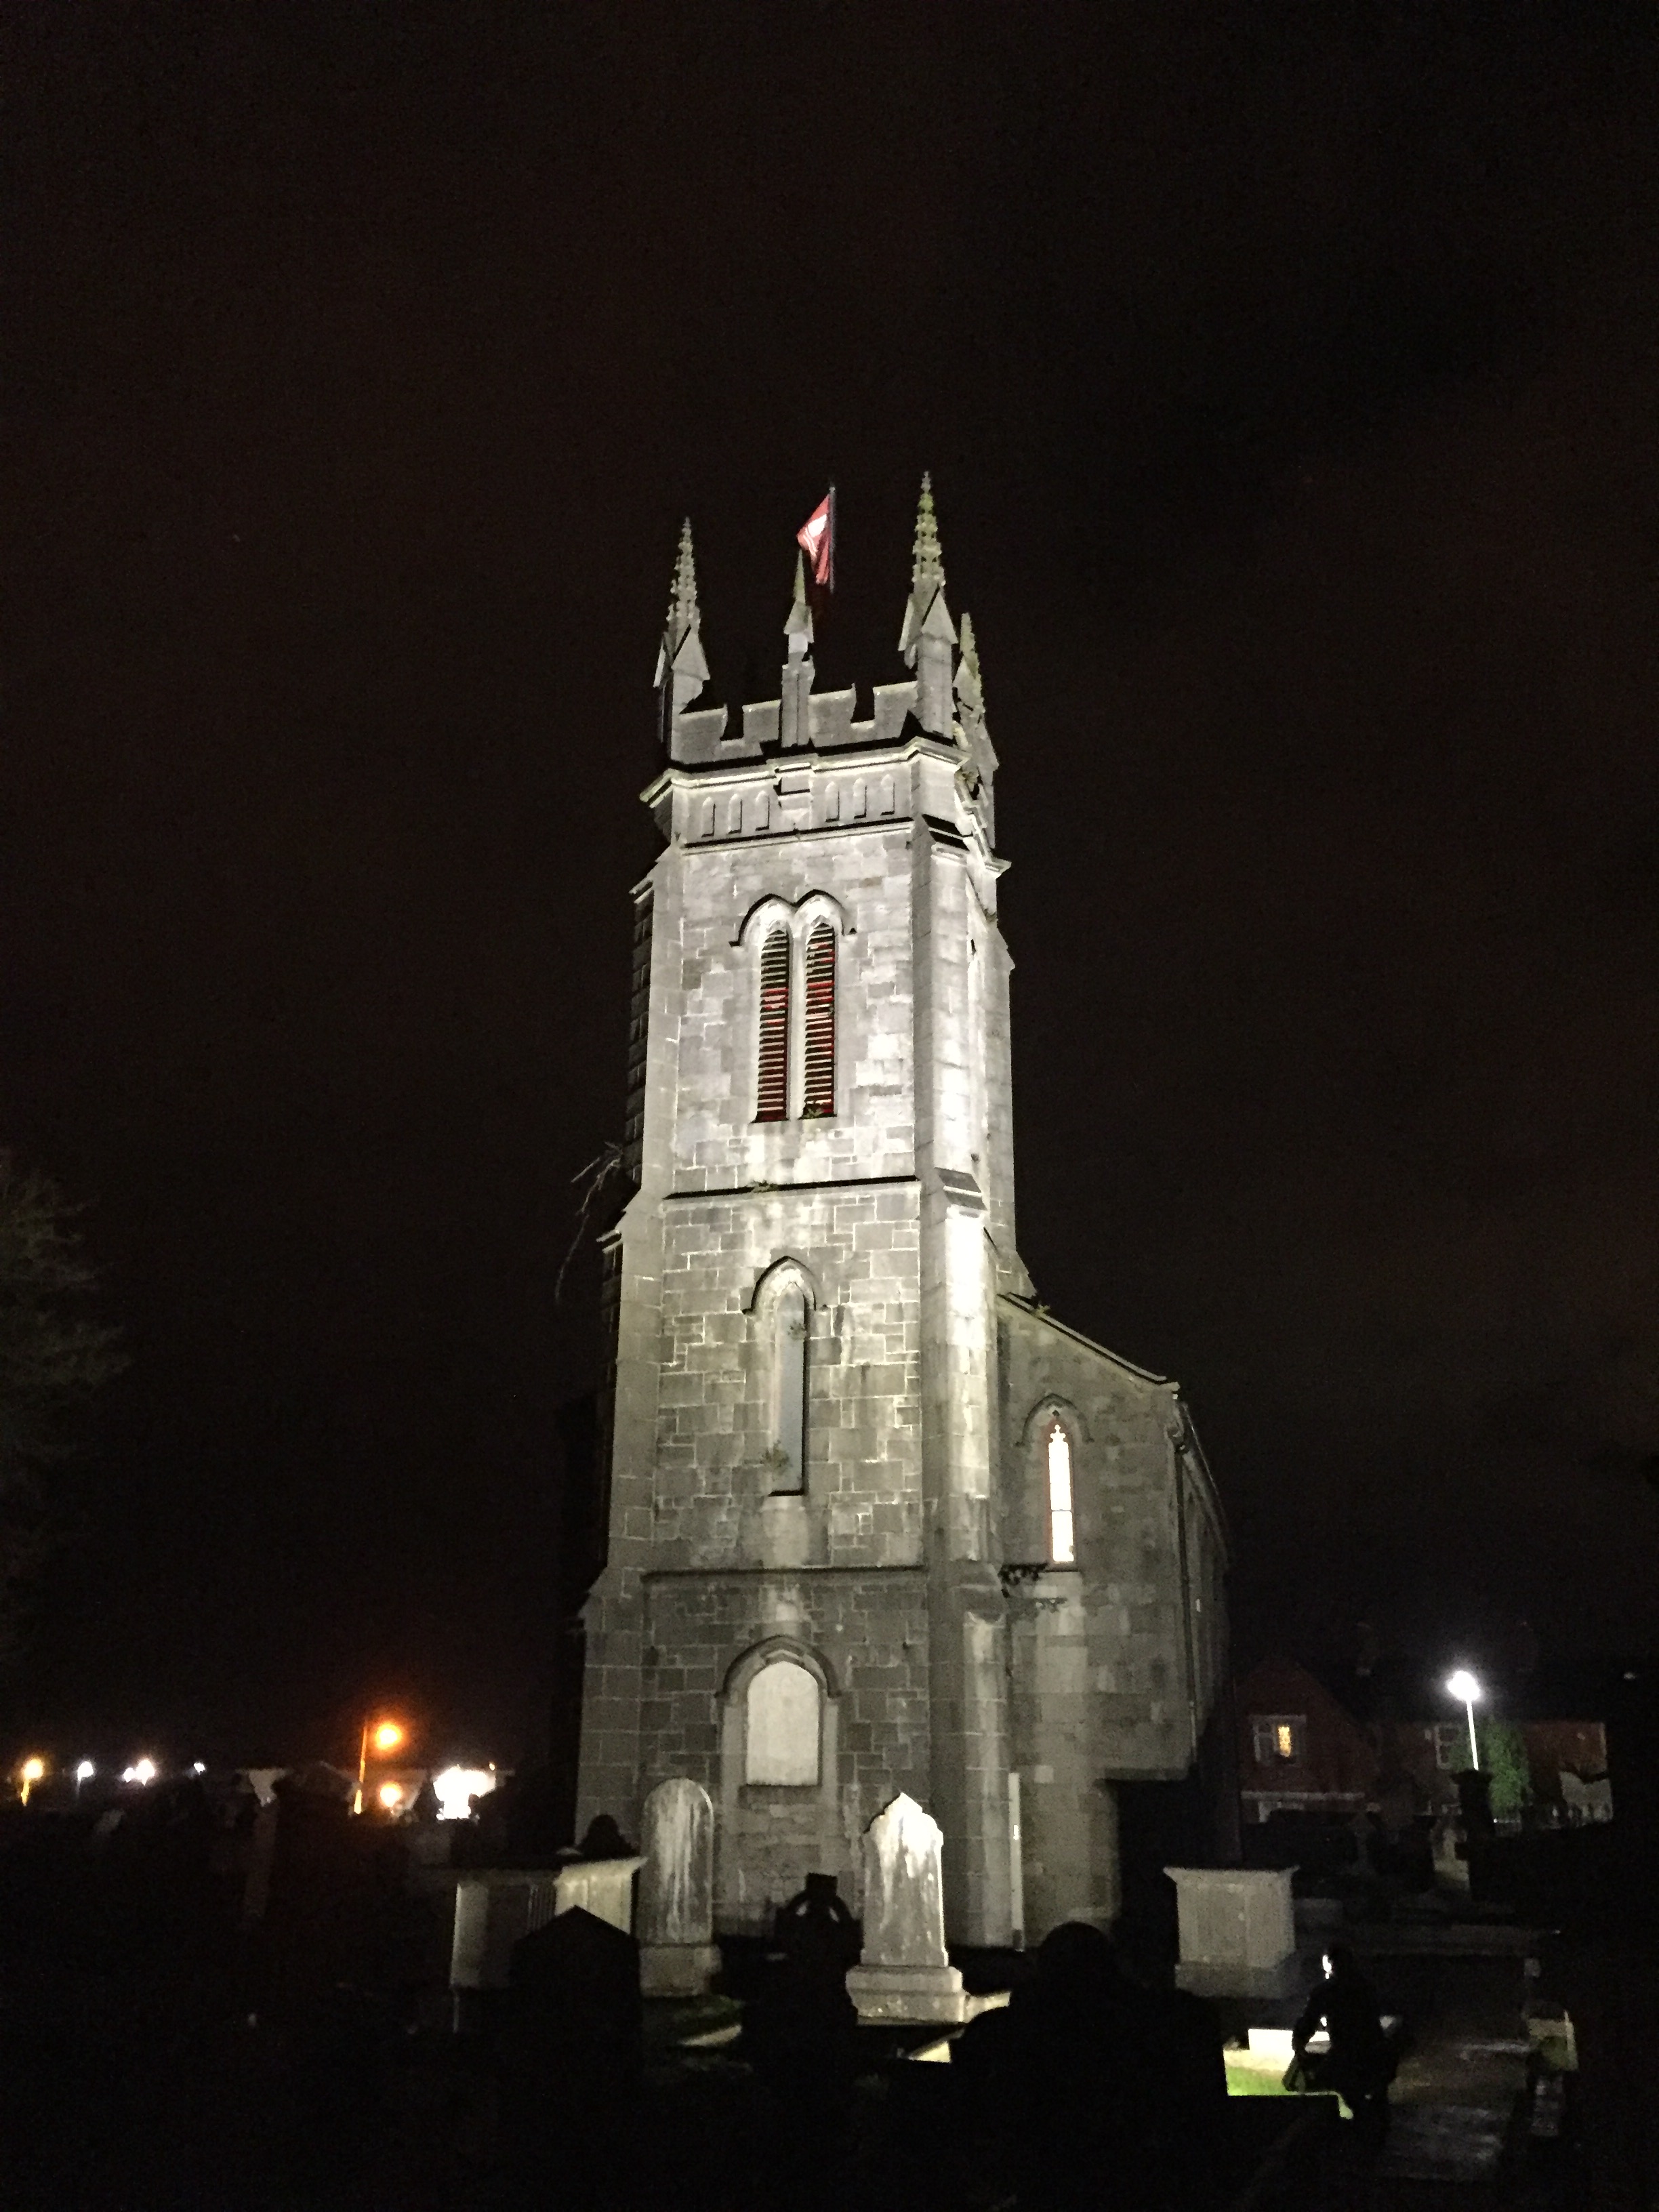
<point x="1290" y="378"/>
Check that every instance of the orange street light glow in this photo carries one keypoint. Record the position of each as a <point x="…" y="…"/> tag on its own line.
<point x="392" y="1795"/>
<point x="388" y="1735"/>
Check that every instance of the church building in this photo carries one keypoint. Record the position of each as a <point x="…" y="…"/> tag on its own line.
<point x="877" y="1521"/>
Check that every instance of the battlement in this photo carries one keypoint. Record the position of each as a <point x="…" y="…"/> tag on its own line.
<point x="941" y="710"/>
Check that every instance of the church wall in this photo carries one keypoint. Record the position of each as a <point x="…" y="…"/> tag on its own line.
<point x="1128" y="1538"/>
<point x="862" y="1501"/>
<point x="1102" y="1680"/>
<point x="869" y="1632"/>
<point x="707" y="1000"/>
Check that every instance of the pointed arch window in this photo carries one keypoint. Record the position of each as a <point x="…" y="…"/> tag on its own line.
<point x="789" y="1319"/>
<point x="1062" y="1534"/>
<point x="819" y="1096"/>
<point x="772" y="1089"/>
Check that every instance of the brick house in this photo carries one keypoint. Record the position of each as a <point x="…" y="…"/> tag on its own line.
<point x="1299" y="1750"/>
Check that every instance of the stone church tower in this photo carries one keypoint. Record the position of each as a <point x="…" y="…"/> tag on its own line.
<point x="877" y="1520"/>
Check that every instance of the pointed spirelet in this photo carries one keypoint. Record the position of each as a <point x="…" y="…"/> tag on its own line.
<point x="798" y="627"/>
<point x="928" y="639"/>
<point x="683" y="604"/>
<point x="926" y="614"/>
<point x="681" y="650"/>
<point x="971" y="692"/>
<point x="927" y="562"/>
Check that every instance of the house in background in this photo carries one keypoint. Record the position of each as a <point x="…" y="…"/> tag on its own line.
<point x="1299" y="1750"/>
<point x="1302" y="1751"/>
<point x="1565" y="1763"/>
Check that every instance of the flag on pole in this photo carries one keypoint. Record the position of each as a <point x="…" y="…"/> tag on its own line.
<point x="816" y="540"/>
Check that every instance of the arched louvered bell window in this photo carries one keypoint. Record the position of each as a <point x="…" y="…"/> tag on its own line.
<point x="773" y="1088"/>
<point x="820" y="1026"/>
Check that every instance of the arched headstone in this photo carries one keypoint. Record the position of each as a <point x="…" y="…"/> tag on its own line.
<point x="678" y="1957"/>
<point x="905" y="1971"/>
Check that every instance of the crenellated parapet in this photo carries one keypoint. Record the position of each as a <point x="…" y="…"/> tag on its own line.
<point x="805" y="761"/>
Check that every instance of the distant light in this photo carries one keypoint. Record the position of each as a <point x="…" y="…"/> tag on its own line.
<point x="35" y="1770"/>
<point x="457" y="1786"/>
<point x="85" y="1771"/>
<point x="1463" y="1686"/>
<point x="143" y="1772"/>
<point x="392" y="1795"/>
<point x="200" y="1767"/>
<point x="388" y="1735"/>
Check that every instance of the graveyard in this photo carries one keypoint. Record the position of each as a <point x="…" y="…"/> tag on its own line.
<point x="386" y="2030"/>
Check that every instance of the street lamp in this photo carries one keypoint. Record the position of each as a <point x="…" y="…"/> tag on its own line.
<point x="1463" y="1686"/>
<point x="386" y="1736"/>
<point x="31" y="1772"/>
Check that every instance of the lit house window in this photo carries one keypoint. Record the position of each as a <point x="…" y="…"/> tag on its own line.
<point x="772" y="1097"/>
<point x="1278" y="1739"/>
<point x="1062" y="1544"/>
<point x="820" y="1024"/>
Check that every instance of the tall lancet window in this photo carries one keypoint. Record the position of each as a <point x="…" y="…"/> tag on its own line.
<point x="774" y="1087"/>
<point x="789" y="1392"/>
<point x="820" y="1027"/>
<point x="1062" y="1542"/>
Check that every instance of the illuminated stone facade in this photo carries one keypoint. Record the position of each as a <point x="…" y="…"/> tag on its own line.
<point x="831" y="1417"/>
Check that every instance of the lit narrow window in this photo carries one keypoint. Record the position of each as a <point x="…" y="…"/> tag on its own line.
<point x="1284" y="1740"/>
<point x="820" y="1027"/>
<point x="1062" y="1548"/>
<point x="773" y="1088"/>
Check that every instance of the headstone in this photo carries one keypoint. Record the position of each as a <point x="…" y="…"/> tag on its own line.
<point x="678" y="1957"/>
<point x="567" y="2057"/>
<point x="904" y="1973"/>
<point x="493" y="1912"/>
<point x="1237" y="1931"/>
<point x="603" y="1887"/>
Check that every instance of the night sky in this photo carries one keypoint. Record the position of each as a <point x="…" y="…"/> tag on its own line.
<point x="1290" y="378"/>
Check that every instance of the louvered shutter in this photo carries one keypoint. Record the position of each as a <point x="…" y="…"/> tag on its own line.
<point x="820" y="1088"/>
<point x="773" y="1088"/>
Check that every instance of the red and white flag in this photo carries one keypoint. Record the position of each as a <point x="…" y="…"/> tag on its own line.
<point x="816" y="540"/>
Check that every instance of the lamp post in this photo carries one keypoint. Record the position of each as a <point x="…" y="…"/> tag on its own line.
<point x="1463" y="1686"/>
<point x="386" y="1736"/>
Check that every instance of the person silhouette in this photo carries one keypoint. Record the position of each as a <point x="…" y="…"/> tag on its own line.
<point x="1359" y="2064"/>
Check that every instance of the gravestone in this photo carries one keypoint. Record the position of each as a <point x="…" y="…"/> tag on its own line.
<point x="678" y="1957"/>
<point x="497" y="1905"/>
<point x="1237" y="1931"/>
<point x="603" y="1887"/>
<point x="568" y="2051"/>
<point x="904" y="1973"/>
<point x="493" y="1910"/>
